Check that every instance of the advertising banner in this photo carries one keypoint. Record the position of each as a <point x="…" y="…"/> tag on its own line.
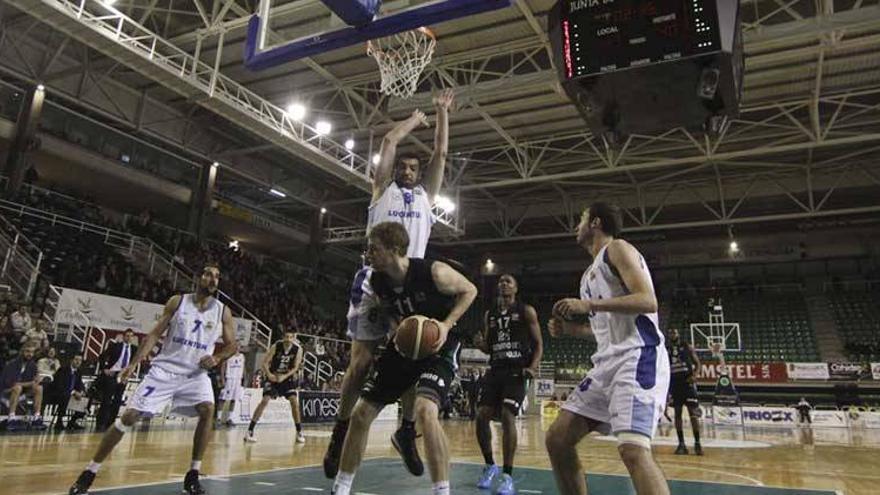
<point x="544" y="387"/>
<point x="727" y="416"/>
<point x="769" y="416"/>
<point x="743" y="372"/>
<point x="848" y="371"/>
<point x="116" y="314"/>
<point x="835" y="419"/>
<point x="318" y="407"/>
<point x="875" y="371"/>
<point x="807" y="371"/>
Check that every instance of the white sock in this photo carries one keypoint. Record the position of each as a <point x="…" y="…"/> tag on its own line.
<point x="197" y="465"/>
<point x="342" y="485"/>
<point x="93" y="467"/>
<point x="440" y="488"/>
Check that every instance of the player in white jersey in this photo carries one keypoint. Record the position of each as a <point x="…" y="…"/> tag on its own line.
<point x="178" y="375"/>
<point x="402" y="192"/>
<point x="232" y="381"/>
<point x="625" y="392"/>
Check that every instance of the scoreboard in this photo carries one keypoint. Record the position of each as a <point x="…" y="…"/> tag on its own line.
<point x="646" y="66"/>
<point x="601" y="36"/>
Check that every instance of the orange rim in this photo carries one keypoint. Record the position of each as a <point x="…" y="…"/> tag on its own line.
<point x="427" y="31"/>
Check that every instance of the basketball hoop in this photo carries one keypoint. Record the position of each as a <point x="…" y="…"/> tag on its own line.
<point x="402" y="57"/>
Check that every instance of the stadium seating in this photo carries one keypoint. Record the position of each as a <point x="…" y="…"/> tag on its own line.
<point x="774" y="326"/>
<point x="857" y="316"/>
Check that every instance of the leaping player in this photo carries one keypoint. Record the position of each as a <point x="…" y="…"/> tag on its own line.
<point x="625" y="392"/>
<point x="403" y="192"/>
<point x="179" y="374"/>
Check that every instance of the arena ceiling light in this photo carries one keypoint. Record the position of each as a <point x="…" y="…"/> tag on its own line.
<point x="323" y="127"/>
<point x="445" y="204"/>
<point x="376" y="159"/>
<point x="349" y="144"/>
<point x="323" y="210"/>
<point x="296" y="111"/>
<point x="276" y="192"/>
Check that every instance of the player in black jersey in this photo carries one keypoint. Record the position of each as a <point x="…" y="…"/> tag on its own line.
<point x="280" y="367"/>
<point x="512" y="337"/>
<point x="399" y="287"/>
<point x="683" y="363"/>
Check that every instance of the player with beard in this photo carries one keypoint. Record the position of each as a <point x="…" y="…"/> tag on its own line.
<point x="625" y="391"/>
<point x="179" y="374"/>
<point x="683" y="362"/>
<point x="403" y="192"/>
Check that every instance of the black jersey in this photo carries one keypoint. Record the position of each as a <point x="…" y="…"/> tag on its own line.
<point x="283" y="361"/>
<point x="418" y="296"/>
<point x="680" y="362"/>
<point x="509" y="340"/>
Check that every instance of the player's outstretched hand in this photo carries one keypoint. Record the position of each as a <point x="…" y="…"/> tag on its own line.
<point x="418" y="118"/>
<point x="445" y="99"/>
<point x="208" y="362"/>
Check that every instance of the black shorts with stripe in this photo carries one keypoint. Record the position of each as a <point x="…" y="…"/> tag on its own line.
<point x="504" y="387"/>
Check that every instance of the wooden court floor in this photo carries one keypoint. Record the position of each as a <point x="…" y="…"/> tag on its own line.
<point x="736" y="461"/>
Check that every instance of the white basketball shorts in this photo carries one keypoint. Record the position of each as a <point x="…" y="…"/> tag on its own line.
<point x="626" y="392"/>
<point x="160" y="388"/>
<point x="232" y="391"/>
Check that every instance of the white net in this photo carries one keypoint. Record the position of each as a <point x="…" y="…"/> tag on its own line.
<point x="402" y="57"/>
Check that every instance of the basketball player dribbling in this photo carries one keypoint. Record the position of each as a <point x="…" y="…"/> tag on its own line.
<point x="625" y="392"/>
<point x="512" y="337"/>
<point x="178" y="374"/>
<point x="402" y="193"/>
<point x="280" y="366"/>
<point x="400" y="287"/>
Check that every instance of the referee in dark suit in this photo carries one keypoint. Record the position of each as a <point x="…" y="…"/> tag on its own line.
<point x="114" y="359"/>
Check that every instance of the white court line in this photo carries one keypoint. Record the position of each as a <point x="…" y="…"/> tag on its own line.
<point x="530" y="491"/>
<point x="264" y="483"/>
<point x="311" y="489"/>
<point x="790" y="488"/>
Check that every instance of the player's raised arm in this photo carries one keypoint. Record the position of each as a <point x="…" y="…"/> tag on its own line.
<point x="388" y="151"/>
<point x="433" y="177"/>
<point x="152" y="338"/>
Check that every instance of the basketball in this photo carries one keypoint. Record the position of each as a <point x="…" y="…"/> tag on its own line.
<point x="416" y="336"/>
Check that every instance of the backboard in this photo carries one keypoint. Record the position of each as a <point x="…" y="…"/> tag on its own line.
<point x="357" y="21"/>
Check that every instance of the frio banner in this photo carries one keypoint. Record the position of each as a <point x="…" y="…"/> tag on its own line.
<point x="78" y="307"/>
<point x="807" y="371"/>
<point x="768" y="416"/>
<point x="744" y="372"/>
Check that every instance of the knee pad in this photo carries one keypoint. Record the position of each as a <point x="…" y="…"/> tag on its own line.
<point x="120" y="426"/>
<point x="637" y="439"/>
